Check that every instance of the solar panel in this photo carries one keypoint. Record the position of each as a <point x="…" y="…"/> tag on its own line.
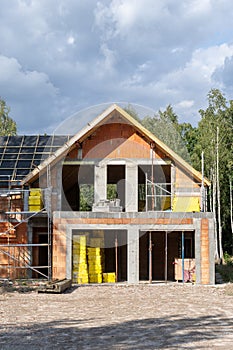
<point x="20" y="154"/>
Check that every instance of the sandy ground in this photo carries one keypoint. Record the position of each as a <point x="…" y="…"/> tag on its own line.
<point x="154" y="316"/>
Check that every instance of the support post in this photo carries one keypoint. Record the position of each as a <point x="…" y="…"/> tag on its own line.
<point x="165" y="267"/>
<point x="116" y="257"/>
<point x="182" y="250"/>
<point x="133" y="255"/>
<point x="100" y="182"/>
<point x="150" y="257"/>
<point x="131" y="190"/>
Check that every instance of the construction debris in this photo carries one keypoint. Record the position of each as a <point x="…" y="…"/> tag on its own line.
<point x="56" y="286"/>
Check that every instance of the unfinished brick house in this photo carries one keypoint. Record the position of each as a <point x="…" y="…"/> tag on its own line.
<point x="111" y="203"/>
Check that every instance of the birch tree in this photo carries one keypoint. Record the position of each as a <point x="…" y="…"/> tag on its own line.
<point x="7" y="124"/>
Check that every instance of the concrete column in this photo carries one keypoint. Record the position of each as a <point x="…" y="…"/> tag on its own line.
<point x="25" y="200"/>
<point x="58" y="190"/>
<point x="133" y="255"/>
<point x="100" y="182"/>
<point x="173" y="182"/>
<point x="131" y="188"/>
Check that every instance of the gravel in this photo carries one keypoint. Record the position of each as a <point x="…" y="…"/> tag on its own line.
<point x="119" y="316"/>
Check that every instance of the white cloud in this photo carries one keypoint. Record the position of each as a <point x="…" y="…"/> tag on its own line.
<point x="70" y="40"/>
<point x="185" y="104"/>
<point x="73" y="54"/>
<point x="22" y="89"/>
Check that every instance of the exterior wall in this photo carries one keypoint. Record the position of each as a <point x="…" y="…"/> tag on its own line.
<point x="200" y="223"/>
<point x="115" y="141"/>
<point x="119" y="141"/>
<point x="183" y="180"/>
<point x="19" y="236"/>
<point x="205" y="253"/>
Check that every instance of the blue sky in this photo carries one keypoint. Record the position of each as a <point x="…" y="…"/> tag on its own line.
<point x="58" y="57"/>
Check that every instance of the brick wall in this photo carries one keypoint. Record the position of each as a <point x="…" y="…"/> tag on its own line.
<point x="205" y="263"/>
<point x="16" y="258"/>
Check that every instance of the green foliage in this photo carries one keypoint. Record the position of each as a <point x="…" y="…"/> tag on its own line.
<point x="165" y="126"/>
<point x="7" y="124"/>
<point x="228" y="259"/>
<point x="218" y="115"/>
<point x="189" y="142"/>
<point x="132" y="112"/>
<point x="226" y="272"/>
<point x="112" y="191"/>
<point x="86" y="197"/>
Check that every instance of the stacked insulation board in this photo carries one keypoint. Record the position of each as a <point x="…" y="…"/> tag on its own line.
<point x="80" y="270"/>
<point x="95" y="260"/>
<point x="109" y="277"/>
<point x="88" y="261"/>
<point x="35" y="199"/>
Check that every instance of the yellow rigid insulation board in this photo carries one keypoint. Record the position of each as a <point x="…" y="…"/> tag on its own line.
<point x="186" y="204"/>
<point x="82" y="275"/>
<point x="94" y="267"/>
<point x="81" y="269"/>
<point x="94" y="271"/>
<point x="94" y="259"/>
<point x="82" y="252"/>
<point x="109" y="277"/>
<point x="94" y="251"/>
<point x="34" y="207"/>
<point x="81" y="280"/>
<point x="83" y="240"/>
<point x="35" y="192"/>
<point x="95" y="278"/>
<point x="35" y="200"/>
<point x="97" y="242"/>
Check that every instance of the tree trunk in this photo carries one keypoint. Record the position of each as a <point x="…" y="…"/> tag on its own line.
<point x="219" y="199"/>
<point x="231" y="213"/>
<point x="215" y="218"/>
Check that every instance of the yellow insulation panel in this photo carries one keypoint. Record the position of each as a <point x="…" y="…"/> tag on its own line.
<point x="95" y="277"/>
<point x="109" y="277"/>
<point x="35" y="192"/>
<point x="186" y="204"/>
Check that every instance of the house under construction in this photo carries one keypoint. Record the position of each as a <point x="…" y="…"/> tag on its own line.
<point x="111" y="203"/>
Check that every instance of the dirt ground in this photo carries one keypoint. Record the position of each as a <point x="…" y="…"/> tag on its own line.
<point x="157" y="316"/>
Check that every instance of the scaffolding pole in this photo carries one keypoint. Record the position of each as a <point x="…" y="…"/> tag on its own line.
<point x="25" y="216"/>
<point x="49" y="223"/>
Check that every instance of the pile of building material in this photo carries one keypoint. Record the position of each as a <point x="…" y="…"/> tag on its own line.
<point x="94" y="265"/>
<point x="35" y="199"/>
<point x="80" y="270"/>
<point x="105" y="205"/>
<point x="109" y="277"/>
<point x="55" y="286"/>
<point x="88" y="260"/>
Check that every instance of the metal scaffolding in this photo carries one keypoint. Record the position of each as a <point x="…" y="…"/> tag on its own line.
<point x="19" y="155"/>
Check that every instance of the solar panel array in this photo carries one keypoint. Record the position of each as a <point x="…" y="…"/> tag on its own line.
<point x="19" y="155"/>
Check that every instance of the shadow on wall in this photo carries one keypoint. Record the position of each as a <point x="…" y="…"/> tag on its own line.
<point x="174" y="332"/>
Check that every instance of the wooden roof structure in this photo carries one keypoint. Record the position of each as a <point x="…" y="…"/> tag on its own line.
<point x="102" y="118"/>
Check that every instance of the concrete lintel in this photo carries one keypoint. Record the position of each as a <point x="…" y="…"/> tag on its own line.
<point x="168" y="228"/>
<point x="151" y="214"/>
